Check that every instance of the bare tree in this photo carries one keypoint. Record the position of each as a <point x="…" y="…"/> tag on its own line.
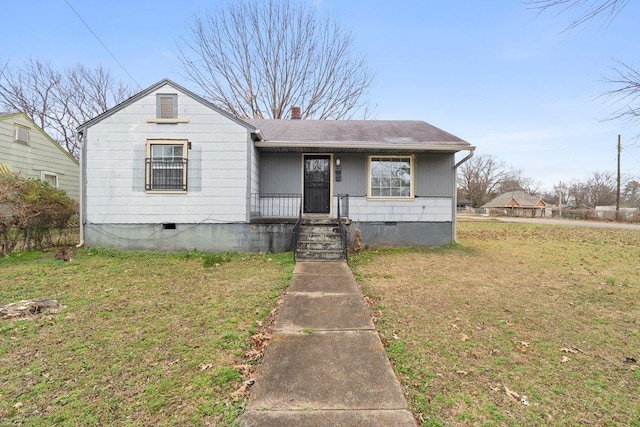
<point x="627" y="80"/>
<point x="516" y="181"/>
<point x="631" y="194"/>
<point x="599" y="189"/>
<point x="587" y="9"/>
<point x="259" y="59"/>
<point x="59" y="101"/>
<point x="480" y="178"/>
<point x="625" y="77"/>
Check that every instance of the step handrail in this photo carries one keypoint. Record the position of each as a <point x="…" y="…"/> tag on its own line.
<point x="342" y="230"/>
<point x="296" y="233"/>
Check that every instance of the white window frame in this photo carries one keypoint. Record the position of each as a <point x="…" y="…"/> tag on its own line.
<point x="16" y="133"/>
<point x="149" y="185"/>
<point x="43" y="177"/>
<point x="377" y="157"/>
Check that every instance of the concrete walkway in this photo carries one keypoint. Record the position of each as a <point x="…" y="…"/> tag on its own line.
<point x="325" y="365"/>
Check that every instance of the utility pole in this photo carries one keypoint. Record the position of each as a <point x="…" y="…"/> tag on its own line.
<point x="618" y="186"/>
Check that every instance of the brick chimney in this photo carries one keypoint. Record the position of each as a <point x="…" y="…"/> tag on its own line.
<point x="295" y="113"/>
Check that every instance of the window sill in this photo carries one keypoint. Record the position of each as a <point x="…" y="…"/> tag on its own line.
<point x="391" y="199"/>
<point x="168" y="121"/>
<point x="166" y="191"/>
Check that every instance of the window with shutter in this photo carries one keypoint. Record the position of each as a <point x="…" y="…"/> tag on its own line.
<point x="166" y="165"/>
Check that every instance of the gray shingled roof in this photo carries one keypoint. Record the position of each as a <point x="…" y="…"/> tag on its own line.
<point x="514" y="199"/>
<point x="356" y="134"/>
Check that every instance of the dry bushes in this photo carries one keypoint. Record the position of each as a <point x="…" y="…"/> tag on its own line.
<point x="31" y="211"/>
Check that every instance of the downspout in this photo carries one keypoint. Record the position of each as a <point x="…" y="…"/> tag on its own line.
<point x="455" y="192"/>
<point x="83" y="175"/>
<point x="254" y="136"/>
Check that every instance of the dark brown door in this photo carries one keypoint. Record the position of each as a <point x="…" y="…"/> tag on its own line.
<point x="317" y="184"/>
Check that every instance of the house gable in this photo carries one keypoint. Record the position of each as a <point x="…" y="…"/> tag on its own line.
<point x="29" y="150"/>
<point x="169" y="87"/>
<point x="119" y="156"/>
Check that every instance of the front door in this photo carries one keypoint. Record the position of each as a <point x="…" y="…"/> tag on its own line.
<point x="317" y="183"/>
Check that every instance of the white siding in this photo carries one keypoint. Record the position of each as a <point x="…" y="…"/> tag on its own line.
<point x="423" y="209"/>
<point x="217" y="166"/>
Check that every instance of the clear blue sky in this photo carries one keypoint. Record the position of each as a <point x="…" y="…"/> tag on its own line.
<point x="491" y="72"/>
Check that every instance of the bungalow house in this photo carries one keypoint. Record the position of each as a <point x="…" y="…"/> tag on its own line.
<point x="518" y="203"/>
<point x="168" y="170"/>
<point x="28" y="150"/>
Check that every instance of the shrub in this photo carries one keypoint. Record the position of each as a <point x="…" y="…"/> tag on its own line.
<point x="31" y="209"/>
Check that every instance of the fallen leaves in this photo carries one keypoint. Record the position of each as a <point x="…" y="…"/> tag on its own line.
<point x="521" y="349"/>
<point x="512" y="394"/>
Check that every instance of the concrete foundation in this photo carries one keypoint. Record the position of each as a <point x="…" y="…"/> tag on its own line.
<point x="403" y="234"/>
<point x="187" y="237"/>
<point x="255" y="237"/>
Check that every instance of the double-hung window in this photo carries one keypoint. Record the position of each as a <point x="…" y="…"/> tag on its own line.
<point x="391" y="177"/>
<point x="166" y="165"/>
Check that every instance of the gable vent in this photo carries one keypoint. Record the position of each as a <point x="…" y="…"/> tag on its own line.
<point x="167" y="107"/>
<point x="22" y="134"/>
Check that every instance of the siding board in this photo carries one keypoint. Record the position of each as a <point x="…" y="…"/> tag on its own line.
<point x="281" y="173"/>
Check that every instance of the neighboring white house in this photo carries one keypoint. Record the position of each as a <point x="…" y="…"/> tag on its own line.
<point x="610" y="213"/>
<point x="28" y="150"/>
<point x="168" y="170"/>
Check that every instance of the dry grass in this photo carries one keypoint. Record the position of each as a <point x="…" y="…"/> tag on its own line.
<point x="145" y="339"/>
<point x="551" y="313"/>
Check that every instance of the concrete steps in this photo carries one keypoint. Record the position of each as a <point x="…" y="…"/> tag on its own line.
<point x="319" y="240"/>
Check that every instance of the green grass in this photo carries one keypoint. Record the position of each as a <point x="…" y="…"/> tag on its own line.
<point x="497" y="310"/>
<point x="144" y="338"/>
<point x="150" y="339"/>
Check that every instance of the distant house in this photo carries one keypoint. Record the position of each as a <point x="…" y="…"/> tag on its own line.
<point x="518" y="203"/>
<point x="464" y="204"/>
<point x="168" y="170"/>
<point x="26" y="149"/>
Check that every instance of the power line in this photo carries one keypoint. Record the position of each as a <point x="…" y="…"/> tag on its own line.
<point x="102" y="43"/>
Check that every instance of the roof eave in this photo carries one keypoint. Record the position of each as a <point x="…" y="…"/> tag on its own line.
<point x="364" y="146"/>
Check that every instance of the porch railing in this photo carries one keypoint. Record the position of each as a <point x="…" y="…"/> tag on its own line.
<point x="276" y="205"/>
<point x="273" y="205"/>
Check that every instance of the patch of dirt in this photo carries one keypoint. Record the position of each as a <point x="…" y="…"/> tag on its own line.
<point x="29" y="308"/>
